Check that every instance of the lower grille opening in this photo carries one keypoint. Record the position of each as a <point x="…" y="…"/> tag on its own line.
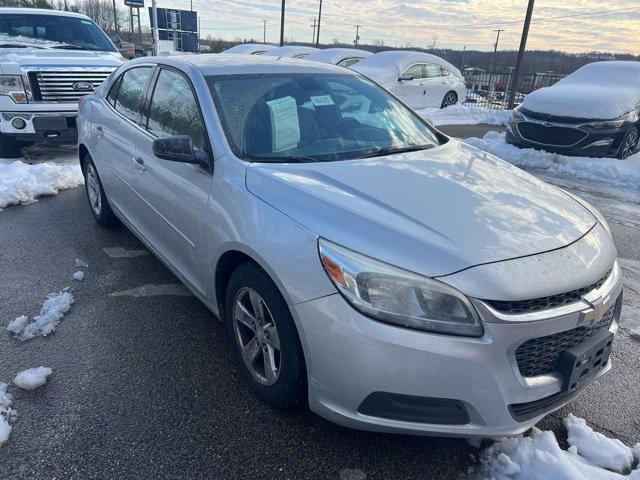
<point x="408" y="408"/>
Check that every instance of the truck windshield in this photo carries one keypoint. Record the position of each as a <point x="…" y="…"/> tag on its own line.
<point x="314" y="117"/>
<point x="52" y="31"/>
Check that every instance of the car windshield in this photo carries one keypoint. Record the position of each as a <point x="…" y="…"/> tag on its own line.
<point x="314" y="117"/>
<point x="52" y="31"/>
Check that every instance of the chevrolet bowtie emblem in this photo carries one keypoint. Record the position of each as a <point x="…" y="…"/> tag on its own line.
<point x="592" y="316"/>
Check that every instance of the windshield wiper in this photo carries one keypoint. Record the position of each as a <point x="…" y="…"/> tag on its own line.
<point x="17" y="45"/>
<point x="75" y="47"/>
<point x="293" y="159"/>
<point x="382" y="151"/>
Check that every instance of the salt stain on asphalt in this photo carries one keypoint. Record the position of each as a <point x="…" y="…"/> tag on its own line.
<point x="119" y="252"/>
<point x="154" y="291"/>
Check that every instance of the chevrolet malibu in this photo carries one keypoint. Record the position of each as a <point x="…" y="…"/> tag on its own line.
<point x="393" y="278"/>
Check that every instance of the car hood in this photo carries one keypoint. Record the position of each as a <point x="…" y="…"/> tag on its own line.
<point x="36" y="57"/>
<point x="595" y="101"/>
<point x="434" y="212"/>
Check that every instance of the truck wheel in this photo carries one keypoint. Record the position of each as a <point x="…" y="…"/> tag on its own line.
<point x="9" y="147"/>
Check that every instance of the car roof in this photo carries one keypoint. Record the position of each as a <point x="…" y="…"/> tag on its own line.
<point x="221" y="64"/>
<point x="41" y="11"/>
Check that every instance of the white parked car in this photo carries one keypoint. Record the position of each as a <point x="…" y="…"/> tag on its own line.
<point x="293" y="51"/>
<point x="250" y="49"/>
<point x="343" y="57"/>
<point x="48" y="60"/>
<point x="420" y="80"/>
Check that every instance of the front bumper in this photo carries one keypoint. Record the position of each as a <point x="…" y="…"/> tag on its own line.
<point x="57" y="127"/>
<point x="350" y="356"/>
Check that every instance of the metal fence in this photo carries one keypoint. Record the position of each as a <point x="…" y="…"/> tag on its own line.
<point x="491" y="90"/>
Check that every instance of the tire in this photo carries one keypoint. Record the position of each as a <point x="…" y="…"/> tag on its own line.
<point x="286" y="387"/>
<point x="9" y="147"/>
<point x="450" y="98"/>
<point x="629" y="144"/>
<point x="98" y="203"/>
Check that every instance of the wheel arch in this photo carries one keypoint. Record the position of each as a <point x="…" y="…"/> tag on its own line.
<point x="83" y="151"/>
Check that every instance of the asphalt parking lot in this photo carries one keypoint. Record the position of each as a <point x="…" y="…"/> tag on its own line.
<point x="144" y="385"/>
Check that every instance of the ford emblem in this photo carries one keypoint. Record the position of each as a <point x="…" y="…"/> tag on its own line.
<point x="83" y="86"/>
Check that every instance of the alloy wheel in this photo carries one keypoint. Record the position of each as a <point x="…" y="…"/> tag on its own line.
<point x="449" y="99"/>
<point x="93" y="190"/>
<point x="630" y="144"/>
<point x="257" y="336"/>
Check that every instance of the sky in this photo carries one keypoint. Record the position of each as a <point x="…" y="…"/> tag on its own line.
<point x="567" y="25"/>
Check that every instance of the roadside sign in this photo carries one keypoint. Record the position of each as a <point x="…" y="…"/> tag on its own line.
<point x="134" y="3"/>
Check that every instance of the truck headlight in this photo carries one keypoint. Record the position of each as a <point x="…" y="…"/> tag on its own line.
<point x="392" y="295"/>
<point x="12" y="86"/>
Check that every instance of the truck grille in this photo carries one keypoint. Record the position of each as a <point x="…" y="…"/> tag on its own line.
<point x="551" y="135"/>
<point x="540" y="356"/>
<point x="58" y="86"/>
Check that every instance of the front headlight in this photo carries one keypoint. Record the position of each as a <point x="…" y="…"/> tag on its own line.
<point x="12" y="85"/>
<point x="616" y="123"/>
<point x="396" y="296"/>
<point x="517" y="116"/>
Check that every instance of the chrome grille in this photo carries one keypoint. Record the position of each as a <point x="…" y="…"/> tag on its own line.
<point x="540" y="356"/>
<point x="57" y="86"/>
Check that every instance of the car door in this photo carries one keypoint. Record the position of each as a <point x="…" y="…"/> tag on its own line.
<point x="114" y="126"/>
<point x="436" y="85"/>
<point x="171" y="212"/>
<point x="410" y="88"/>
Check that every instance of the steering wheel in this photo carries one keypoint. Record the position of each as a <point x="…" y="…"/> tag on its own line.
<point x="344" y="125"/>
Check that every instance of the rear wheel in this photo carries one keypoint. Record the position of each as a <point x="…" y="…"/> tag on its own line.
<point x="451" y="98"/>
<point x="264" y="338"/>
<point x="98" y="203"/>
<point x="629" y="144"/>
<point x="9" y="147"/>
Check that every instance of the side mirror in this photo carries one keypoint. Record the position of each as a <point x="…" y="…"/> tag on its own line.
<point x="405" y="78"/>
<point x="179" y="148"/>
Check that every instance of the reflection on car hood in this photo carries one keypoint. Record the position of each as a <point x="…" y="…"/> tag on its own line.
<point x="434" y="212"/>
<point x="45" y="57"/>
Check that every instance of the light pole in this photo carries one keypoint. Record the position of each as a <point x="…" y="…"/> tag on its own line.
<point x="156" y="35"/>
<point x="318" y="27"/>
<point x="495" y="49"/>
<point x="264" y="31"/>
<point x="523" y="47"/>
<point x="357" y="35"/>
<point x="282" y="25"/>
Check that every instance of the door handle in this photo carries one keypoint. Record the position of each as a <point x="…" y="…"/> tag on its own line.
<point x="138" y="162"/>
<point x="99" y="131"/>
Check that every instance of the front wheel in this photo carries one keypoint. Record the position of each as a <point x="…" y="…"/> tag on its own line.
<point x="451" y="98"/>
<point x="98" y="203"/>
<point x="264" y="338"/>
<point x="9" y="147"/>
<point x="629" y="144"/>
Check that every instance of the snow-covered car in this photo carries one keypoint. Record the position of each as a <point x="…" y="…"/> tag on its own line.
<point x="395" y="279"/>
<point x="48" y="60"/>
<point x="344" y="57"/>
<point x="420" y="80"/>
<point x="594" y="112"/>
<point x="250" y="49"/>
<point x="293" y="51"/>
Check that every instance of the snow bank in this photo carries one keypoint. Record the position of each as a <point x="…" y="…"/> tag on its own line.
<point x="23" y="183"/>
<point x="291" y="51"/>
<point x="539" y="457"/>
<point x="600" y="90"/>
<point x="336" y="55"/>
<point x="53" y="309"/>
<point x="610" y="170"/>
<point x="465" y="115"/>
<point x="249" y="48"/>
<point x="32" y="378"/>
<point x="6" y="413"/>
<point x="385" y="67"/>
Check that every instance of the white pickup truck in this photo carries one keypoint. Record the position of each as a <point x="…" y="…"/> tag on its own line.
<point x="48" y="60"/>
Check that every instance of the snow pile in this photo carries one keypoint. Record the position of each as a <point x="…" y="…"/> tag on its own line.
<point x="465" y="115"/>
<point x="385" y="67"/>
<point x="79" y="276"/>
<point x="6" y="413"/>
<point x="291" y="51"/>
<point x="32" y="378"/>
<point x="600" y="90"/>
<point x="249" y="48"/>
<point x="610" y="170"/>
<point x="336" y="55"/>
<point x="22" y="183"/>
<point x="53" y="309"/>
<point x="591" y="456"/>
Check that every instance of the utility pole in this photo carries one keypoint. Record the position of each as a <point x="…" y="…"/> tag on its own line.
<point x="156" y="35"/>
<point x="264" y="31"/>
<point x="464" y="51"/>
<point x="495" y="49"/>
<point x="357" y="35"/>
<point x="282" y="25"/>
<point x="318" y="27"/>
<point x="115" y="17"/>
<point x="192" y="5"/>
<point x="313" y="26"/>
<point x="523" y="47"/>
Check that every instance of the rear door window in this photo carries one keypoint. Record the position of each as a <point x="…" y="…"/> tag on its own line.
<point x="131" y="93"/>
